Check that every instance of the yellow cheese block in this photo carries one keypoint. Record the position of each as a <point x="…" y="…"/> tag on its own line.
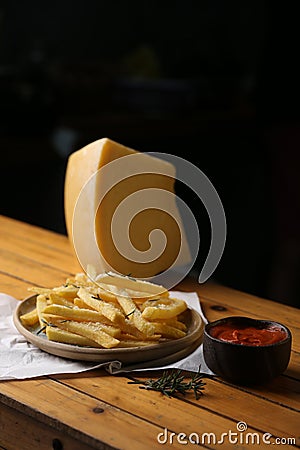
<point x="121" y="212"/>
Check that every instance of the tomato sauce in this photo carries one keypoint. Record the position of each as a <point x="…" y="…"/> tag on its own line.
<point x="248" y="335"/>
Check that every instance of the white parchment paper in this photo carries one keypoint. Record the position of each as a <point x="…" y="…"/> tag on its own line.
<point x="20" y="359"/>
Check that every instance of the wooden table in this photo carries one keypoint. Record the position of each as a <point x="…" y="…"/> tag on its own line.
<point x="95" y="410"/>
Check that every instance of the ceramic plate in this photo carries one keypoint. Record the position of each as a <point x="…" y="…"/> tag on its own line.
<point x="167" y="352"/>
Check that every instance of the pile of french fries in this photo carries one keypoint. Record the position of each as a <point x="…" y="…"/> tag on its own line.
<point x="107" y="311"/>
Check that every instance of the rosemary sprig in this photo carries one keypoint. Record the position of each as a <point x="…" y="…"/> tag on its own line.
<point x="48" y="324"/>
<point x="96" y="297"/>
<point x="130" y="277"/>
<point x="71" y="284"/>
<point x="111" y="274"/>
<point x="129" y="314"/>
<point x="41" y="330"/>
<point x="172" y="383"/>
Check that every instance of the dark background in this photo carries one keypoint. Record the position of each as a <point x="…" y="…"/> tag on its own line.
<point x="211" y="81"/>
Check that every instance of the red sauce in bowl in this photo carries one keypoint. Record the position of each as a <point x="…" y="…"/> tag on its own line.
<point x="248" y="335"/>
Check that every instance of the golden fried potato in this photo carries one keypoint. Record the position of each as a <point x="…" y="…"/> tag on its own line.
<point x="107" y="311"/>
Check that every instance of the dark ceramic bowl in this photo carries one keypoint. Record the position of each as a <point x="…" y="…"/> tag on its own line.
<point x="246" y="364"/>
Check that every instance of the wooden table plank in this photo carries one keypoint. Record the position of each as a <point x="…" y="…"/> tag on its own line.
<point x="94" y="410"/>
<point x="33" y="434"/>
<point x="32" y="232"/>
<point x="117" y="427"/>
<point x="47" y="255"/>
<point x="28" y="270"/>
<point x="216" y="400"/>
<point x="53" y="403"/>
<point x="264" y="308"/>
<point x="13" y="286"/>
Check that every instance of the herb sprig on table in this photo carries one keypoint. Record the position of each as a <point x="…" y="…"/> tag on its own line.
<point x="172" y="382"/>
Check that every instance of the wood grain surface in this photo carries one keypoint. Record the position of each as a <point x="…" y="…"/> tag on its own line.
<point x="95" y="410"/>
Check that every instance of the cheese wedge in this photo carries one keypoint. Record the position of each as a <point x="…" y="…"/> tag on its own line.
<point x="121" y="212"/>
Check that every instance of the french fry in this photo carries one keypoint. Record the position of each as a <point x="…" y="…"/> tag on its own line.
<point x="81" y="304"/>
<point x="135" y="315"/>
<point x="41" y="304"/>
<point x="67" y="291"/>
<point x="105" y="295"/>
<point x="105" y="291"/>
<point x="100" y="293"/>
<point x="80" y="280"/>
<point x="40" y="290"/>
<point x="109" y="329"/>
<point x="173" y="323"/>
<point x="141" y="297"/>
<point x="142" y="325"/>
<point x="56" y="299"/>
<point x="127" y="282"/>
<point x="89" y="330"/>
<point x="139" y="337"/>
<point x="168" y="331"/>
<point x="66" y="337"/>
<point x="163" y="308"/>
<point x="129" y="328"/>
<point x="106" y="309"/>
<point x="78" y="314"/>
<point x="31" y="318"/>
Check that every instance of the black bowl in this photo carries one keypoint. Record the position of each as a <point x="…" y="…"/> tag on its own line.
<point x="246" y="364"/>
